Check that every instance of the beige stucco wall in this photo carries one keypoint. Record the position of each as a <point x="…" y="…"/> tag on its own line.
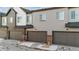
<point x="13" y="15"/>
<point x="51" y="23"/>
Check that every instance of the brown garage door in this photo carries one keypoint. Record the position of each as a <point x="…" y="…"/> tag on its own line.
<point x="66" y="38"/>
<point x="37" y="36"/>
<point x="3" y="33"/>
<point x="16" y="34"/>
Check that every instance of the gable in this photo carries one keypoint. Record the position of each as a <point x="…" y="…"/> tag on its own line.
<point x="11" y="9"/>
<point x="19" y="10"/>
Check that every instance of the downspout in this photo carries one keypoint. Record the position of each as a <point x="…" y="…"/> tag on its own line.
<point x="1" y="19"/>
<point x="25" y="31"/>
<point x="24" y="34"/>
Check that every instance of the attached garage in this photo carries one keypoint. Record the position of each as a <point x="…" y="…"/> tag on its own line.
<point x="37" y="36"/>
<point x="3" y="33"/>
<point x="70" y="38"/>
<point x="16" y="34"/>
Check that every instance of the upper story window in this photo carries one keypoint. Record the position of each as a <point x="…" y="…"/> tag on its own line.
<point x="19" y="19"/>
<point x="11" y="19"/>
<point x="72" y="15"/>
<point x="43" y="17"/>
<point x="4" y="21"/>
<point x="29" y="19"/>
<point x="60" y="15"/>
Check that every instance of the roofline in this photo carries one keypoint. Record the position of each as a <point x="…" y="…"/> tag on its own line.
<point x="22" y="9"/>
<point x="25" y="11"/>
<point x="50" y="8"/>
<point x="44" y="9"/>
<point x="2" y="15"/>
<point x="10" y="10"/>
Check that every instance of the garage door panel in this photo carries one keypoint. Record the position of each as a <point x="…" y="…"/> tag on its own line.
<point x="66" y="38"/>
<point x="76" y="41"/>
<point x="37" y="36"/>
<point x="16" y="35"/>
<point x="3" y="34"/>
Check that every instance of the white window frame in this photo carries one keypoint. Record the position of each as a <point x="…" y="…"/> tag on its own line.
<point x="29" y="19"/>
<point x="60" y="15"/>
<point x="43" y="17"/>
<point x="18" y="19"/>
<point x="70" y="18"/>
<point x="73" y="14"/>
<point x="11" y="19"/>
<point x="76" y="16"/>
<point x="4" y="21"/>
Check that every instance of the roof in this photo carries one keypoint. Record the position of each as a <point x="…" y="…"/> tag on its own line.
<point x="30" y="11"/>
<point x="26" y="10"/>
<point x="10" y="10"/>
<point x="50" y="8"/>
<point x="2" y="14"/>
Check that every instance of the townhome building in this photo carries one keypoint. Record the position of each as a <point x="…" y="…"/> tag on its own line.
<point x="14" y="22"/>
<point x="56" y="19"/>
<point x="48" y="19"/>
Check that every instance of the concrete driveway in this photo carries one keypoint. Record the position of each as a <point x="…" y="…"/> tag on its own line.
<point x="12" y="45"/>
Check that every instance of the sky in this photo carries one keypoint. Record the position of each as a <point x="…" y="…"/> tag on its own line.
<point x="5" y="9"/>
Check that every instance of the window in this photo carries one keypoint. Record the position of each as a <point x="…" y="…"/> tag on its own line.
<point x="72" y="14"/>
<point x="43" y="17"/>
<point x="11" y="19"/>
<point x="29" y="19"/>
<point x="60" y="15"/>
<point x="18" y="19"/>
<point x="4" y="21"/>
<point x="21" y="20"/>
